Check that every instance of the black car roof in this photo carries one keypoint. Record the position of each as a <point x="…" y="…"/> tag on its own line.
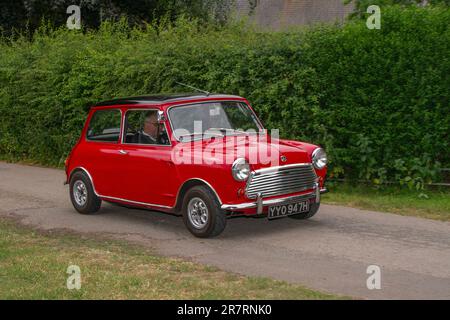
<point x="162" y="98"/>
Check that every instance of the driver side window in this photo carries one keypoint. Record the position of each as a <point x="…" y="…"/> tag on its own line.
<point x="142" y="127"/>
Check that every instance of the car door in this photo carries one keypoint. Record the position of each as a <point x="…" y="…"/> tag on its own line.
<point x="101" y="157"/>
<point x="148" y="171"/>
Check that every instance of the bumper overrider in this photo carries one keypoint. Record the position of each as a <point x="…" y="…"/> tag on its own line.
<point x="260" y="202"/>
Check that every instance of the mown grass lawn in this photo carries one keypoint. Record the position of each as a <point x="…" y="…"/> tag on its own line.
<point x="33" y="265"/>
<point x="431" y="204"/>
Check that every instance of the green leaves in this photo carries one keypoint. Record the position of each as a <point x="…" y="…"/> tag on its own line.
<point x="377" y="100"/>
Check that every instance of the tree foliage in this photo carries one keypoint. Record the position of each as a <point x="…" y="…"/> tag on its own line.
<point x="28" y="14"/>
<point x="362" y="5"/>
<point x="377" y="100"/>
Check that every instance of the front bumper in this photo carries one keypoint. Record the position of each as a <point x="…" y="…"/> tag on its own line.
<point x="260" y="202"/>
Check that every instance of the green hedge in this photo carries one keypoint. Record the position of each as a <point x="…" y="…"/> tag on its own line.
<point x="377" y="100"/>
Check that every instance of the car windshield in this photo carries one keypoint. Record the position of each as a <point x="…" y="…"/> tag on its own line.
<point x="192" y="122"/>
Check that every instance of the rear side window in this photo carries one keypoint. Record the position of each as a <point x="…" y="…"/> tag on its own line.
<point x="104" y="126"/>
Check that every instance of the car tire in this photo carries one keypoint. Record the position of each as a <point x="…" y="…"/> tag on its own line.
<point x="82" y="194"/>
<point x="303" y="216"/>
<point x="202" y="214"/>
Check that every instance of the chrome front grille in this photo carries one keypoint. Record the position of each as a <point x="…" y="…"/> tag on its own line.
<point x="281" y="180"/>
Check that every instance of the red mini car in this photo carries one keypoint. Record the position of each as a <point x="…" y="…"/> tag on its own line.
<point x="205" y="157"/>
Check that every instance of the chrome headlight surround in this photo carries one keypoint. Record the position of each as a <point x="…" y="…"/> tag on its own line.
<point x="319" y="158"/>
<point x="240" y="170"/>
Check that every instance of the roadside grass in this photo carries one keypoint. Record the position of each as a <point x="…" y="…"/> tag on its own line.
<point x="29" y="162"/>
<point x="431" y="204"/>
<point x="33" y="265"/>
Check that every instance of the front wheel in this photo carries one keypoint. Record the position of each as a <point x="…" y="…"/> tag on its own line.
<point x="202" y="214"/>
<point x="312" y="211"/>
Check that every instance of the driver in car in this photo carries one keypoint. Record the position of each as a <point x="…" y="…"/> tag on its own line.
<point x="152" y="132"/>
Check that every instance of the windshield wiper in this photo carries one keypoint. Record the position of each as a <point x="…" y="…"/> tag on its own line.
<point x="200" y="133"/>
<point x="225" y="130"/>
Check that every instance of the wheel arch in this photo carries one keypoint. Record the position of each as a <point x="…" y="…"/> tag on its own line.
<point x="188" y="185"/>
<point x="84" y="170"/>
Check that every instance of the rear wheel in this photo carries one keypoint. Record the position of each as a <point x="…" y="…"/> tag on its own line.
<point x="312" y="211"/>
<point x="202" y="214"/>
<point x="82" y="194"/>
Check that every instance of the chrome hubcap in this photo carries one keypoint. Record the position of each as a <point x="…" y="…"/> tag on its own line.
<point x="80" y="193"/>
<point x="198" y="213"/>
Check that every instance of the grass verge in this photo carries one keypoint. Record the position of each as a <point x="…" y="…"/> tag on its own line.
<point x="33" y="265"/>
<point x="431" y="204"/>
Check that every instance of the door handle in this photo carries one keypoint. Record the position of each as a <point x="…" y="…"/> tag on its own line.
<point x="123" y="152"/>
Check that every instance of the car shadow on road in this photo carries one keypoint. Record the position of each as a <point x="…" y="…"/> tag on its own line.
<point x="249" y="227"/>
<point x="237" y="228"/>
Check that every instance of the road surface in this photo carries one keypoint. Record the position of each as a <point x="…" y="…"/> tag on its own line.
<point x="331" y="252"/>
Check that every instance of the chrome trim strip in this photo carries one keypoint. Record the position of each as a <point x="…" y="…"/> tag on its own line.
<point x="146" y="144"/>
<point x="250" y="205"/>
<point x="317" y="192"/>
<point x="259" y="204"/>
<point x="136" y="202"/>
<point x="276" y="169"/>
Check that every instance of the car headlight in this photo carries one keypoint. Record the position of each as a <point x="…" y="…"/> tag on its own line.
<point x="319" y="158"/>
<point x="240" y="169"/>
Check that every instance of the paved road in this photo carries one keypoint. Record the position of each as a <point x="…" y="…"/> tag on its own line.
<point x="330" y="252"/>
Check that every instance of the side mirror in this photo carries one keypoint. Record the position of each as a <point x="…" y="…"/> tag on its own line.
<point x="161" y="117"/>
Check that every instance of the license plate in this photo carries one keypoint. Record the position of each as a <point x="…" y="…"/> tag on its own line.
<point x="288" y="209"/>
